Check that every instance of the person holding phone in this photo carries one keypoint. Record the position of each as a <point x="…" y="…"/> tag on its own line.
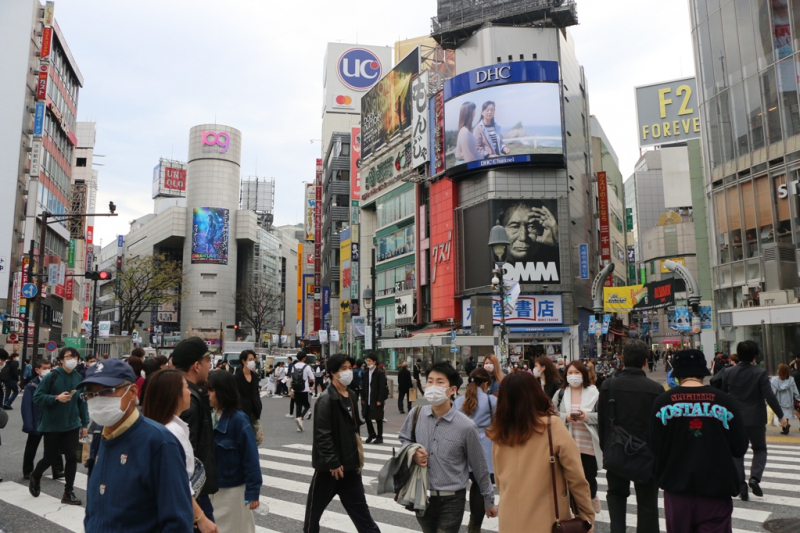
<point x="575" y="403"/>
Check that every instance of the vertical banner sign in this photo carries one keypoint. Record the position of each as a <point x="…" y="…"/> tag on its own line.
<point x="47" y="41"/>
<point x="605" y="239"/>
<point x="436" y="109"/>
<point x="70" y="289"/>
<point x="71" y="254"/>
<point x="592" y="325"/>
<point x="36" y="157"/>
<point x="318" y="248"/>
<point x="419" y="120"/>
<point x="300" y="268"/>
<point x="48" y="13"/>
<point x="606" y="323"/>
<point x="38" y="120"/>
<point x="89" y="234"/>
<point x="355" y="163"/>
<point x="311" y="208"/>
<point x="41" y="83"/>
<point x="583" y="251"/>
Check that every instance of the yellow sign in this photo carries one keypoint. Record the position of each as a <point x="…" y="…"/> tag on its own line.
<point x="669" y="219"/>
<point x="622" y="298"/>
<point x="679" y="260"/>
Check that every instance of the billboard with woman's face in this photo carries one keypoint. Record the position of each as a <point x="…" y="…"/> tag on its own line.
<point x="503" y="114"/>
<point x="210" y="229"/>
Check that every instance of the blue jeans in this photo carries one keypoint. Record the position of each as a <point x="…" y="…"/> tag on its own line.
<point x="11" y="392"/>
<point x="444" y="513"/>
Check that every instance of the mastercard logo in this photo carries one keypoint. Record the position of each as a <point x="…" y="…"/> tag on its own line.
<point x="343" y="99"/>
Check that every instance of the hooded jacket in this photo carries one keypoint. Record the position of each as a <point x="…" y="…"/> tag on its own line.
<point x="786" y="392"/>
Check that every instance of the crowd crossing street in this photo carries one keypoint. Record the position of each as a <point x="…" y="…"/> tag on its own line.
<point x="285" y="457"/>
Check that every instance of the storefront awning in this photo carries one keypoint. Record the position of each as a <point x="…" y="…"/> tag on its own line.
<point x="671" y="341"/>
<point x="425" y="340"/>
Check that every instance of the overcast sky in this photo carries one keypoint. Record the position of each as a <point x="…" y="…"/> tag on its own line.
<point x="155" y="68"/>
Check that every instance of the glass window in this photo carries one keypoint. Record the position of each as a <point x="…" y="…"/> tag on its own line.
<point x="713" y="5"/>
<point x="739" y="116"/>
<point x="763" y="29"/>
<point x="792" y="191"/>
<point x="721" y="215"/>
<point x="725" y="126"/>
<point x="396" y="243"/>
<point x="735" y="219"/>
<point x="706" y="59"/>
<point x="784" y="224"/>
<point x="732" y="64"/>
<point x="700" y="12"/>
<point x="787" y="88"/>
<point x="764" y="210"/>
<point x="749" y="212"/>
<point x="781" y="30"/>
<point x="712" y="123"/>
<point x="717" y="50"/>
<point x="770" y="91"/>
<point x="754" y="113"/>
<point x="795" y="5"/>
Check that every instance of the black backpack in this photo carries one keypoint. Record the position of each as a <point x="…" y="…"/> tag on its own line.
<point x="298" y="381"/>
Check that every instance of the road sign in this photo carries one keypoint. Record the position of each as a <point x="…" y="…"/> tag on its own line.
<point x="50" y="346"/>
<point x="29" y="290"/>
<point x="12" y="338"/>
<point x="452" y="334"/>
<point x="455" y="349"/>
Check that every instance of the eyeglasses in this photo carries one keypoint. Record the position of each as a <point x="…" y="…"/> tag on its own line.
<point x="103" y="393"/>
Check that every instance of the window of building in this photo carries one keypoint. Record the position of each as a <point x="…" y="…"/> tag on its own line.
<point x="755" y="114"/>
<point x="345" y="150"/>
<point x="717" y="50"/>
<point x="787" y="90"/>
<point x="712" y="132"/>
<point x="763" y="34"/>
<point x="80" y="162"/>
<point x="746" y="40"/>
<point x="706" y="59"/>
<point x="721" y="214"/>
<point x="394" y="208"/>
<point x="396" y="243"/>
<point x="395" y="279"/>
<point x="781" y="31"/>
<point x="733" y="66"/>
<point x="735" y="221"/>
<point x="750" y="248"/>
<point x="784" y="232"/>
<point x="725" y="126"/>
<point x="739" y="116"/>
<point x="764" y="210"/>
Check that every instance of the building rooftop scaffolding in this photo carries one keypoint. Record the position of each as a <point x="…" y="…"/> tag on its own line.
<point x="457" y="20"/>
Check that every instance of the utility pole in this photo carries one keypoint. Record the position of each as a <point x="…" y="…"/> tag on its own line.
<point x="94" y="312"/>
<point x="374" y="302"/>
<point x="597" y="296"/>
<point x="27" y="309"/>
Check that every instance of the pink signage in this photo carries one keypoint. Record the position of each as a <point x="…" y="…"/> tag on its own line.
<point x="213" y="138"/>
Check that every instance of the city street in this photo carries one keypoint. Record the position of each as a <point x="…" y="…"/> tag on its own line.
<point x="286" y="467"/>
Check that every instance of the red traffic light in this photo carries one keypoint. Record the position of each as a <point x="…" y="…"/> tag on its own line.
<point x="236" y="326"/>
<point x="98" y="276"/>
<point x="103" y="275"/>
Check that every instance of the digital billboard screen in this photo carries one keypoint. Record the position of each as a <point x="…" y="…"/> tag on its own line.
<point x="504" y="114"/>
<point x="210" y="231"/>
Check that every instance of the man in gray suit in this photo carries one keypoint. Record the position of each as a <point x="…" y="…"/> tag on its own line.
<point x="749" y="384"/>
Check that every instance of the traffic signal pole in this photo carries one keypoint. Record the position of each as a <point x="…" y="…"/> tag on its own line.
<point x="94" y="311"/>
<point x="27" y="310"/>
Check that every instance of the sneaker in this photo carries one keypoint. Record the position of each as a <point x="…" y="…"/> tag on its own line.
<point x="33" y="486"/>
<point x="755" y="487"/>
<point x="379" y="440"/>
<point x="70" y="499"/>
<point x="596" y="505"/>
<point x="289" y="415"/>
<point x="299" y="422"/>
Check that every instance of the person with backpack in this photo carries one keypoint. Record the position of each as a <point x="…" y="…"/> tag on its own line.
<point x="337" y="454"/>
<point x="302" y="376"/>
<point x="319" y="377"/>
<point x="626" y="403"/>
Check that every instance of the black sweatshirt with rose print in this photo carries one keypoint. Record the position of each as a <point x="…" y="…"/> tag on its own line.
<point x="695" y="434"/>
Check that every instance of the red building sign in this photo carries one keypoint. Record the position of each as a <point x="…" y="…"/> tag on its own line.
<point x="443" y="203"/>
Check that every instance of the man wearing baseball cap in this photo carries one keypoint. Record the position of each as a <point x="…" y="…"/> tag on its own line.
<point x="192" y="357"/>
<point x="139" y="477"/>
<point x="697" y="435"/>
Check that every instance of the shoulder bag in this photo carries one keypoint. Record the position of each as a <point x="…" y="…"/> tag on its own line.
<point x="573" y="525"/>
<point x="624" y="454"/>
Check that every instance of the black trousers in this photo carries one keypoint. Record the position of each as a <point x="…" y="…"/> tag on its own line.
<point x="31" y="447"/>
<point x="56" y="444"/>
<point x="350" y="490"/>
<point x="303" y="405"/>
<point x="619" y="489"/>
<point x="374" y="414"/>
<point x="400" y="395"/>
<point x="589" y="463"/>
<point x="477" y="511"/>
<point x="757" y="435"/>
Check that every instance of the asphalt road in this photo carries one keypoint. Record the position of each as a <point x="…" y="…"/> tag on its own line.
<point x="286" y="466"/>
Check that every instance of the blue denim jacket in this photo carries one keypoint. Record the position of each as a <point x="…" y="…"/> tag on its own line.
<point x="237" y="455"/>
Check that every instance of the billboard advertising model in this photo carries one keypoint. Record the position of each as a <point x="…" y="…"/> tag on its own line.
<point x="534" y="248"/>
<point x="210" y="230"/>
<point x="502" y="114"/>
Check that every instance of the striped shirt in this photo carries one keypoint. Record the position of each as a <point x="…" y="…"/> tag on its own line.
<point x="453" y="447"/>
<point x="578" y="429"/>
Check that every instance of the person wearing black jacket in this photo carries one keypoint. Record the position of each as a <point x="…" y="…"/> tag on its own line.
<point x="247" y="383"/>
<point x="749" y="385"/>
<point x="634" y="395"/>
<point x="10" y="378"/>
<point x="337" y="454"/>
<point x="191" y="356"/>
<point x="696" y="435"/>
<point x="404" y="385"/>
<point x="417" y="372"/>
<point x="374" y="398"/>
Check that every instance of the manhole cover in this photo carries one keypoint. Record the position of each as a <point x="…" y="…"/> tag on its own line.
<point x="783" y="525"/>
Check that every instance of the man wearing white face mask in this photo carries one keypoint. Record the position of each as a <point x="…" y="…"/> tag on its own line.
<point x="63" y="419"/>
<point x="30" y="421"/>
<point x="337" y="455"/>
<point x="139" y="476"/>
<point x="452" y="447"/>
<point x="375" y="398"/>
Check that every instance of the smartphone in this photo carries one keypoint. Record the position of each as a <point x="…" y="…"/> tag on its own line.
<point x="575" y="415"/>
<point x="72" y="392"/>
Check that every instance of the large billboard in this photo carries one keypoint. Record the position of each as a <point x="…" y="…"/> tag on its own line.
<point x="350" y="70"/>
<point x="169" y="179"/>
<point x="386" y="110"/>
<point x="667" y="112"/>
<point x="534" y="247"/>
<point x="654" y="295"/>
<point x="503" y="114"/>
<point x="210" y="231"/>
<point x="530" y="310"/>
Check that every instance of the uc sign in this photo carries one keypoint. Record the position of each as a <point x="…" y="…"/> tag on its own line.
<point x="359" y="69"/>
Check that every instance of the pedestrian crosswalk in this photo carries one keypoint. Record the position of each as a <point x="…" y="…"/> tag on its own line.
<point x="287" y="475"/>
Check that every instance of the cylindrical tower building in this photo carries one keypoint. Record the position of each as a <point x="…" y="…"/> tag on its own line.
<point x="209" y="254"/>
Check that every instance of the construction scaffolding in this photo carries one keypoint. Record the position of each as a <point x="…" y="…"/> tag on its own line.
<point x="258" y="195"/>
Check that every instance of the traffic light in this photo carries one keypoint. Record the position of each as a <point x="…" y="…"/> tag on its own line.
<point x="98" y="276"/>
<point x="6" y="327"/>
<point x="232" y="326"/>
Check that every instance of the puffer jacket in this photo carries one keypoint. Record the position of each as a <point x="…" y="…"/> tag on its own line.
<point x="336" y="433"/>
<point x="786" y="392"/>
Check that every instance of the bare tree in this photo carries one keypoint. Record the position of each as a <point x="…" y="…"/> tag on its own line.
<point x="146" y="282"/>
<point x="260" y="307"/>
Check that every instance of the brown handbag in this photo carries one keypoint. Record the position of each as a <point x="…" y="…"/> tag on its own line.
<point x="573" y="525"/>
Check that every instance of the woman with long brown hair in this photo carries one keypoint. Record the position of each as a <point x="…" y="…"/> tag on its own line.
<point x="492" y="366"/>
<point x="523" y="431"/>
<point x="548" y="374"/>
<point x="480" y="406"/>
<point x="466" y="144"/>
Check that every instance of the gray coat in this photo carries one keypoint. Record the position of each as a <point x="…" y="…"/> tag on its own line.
<point x="786" y="392"/>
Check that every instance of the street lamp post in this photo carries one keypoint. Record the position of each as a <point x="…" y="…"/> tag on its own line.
<point x="328" y="318"/>
<point x="367" y="296"/>
<point x="498" y="243"/>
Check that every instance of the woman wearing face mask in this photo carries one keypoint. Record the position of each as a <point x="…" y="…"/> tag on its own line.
<point x="137" y="365"/>
<point x="167" y="397"/>
<point x="492" y="366"/>
<point x="480" y="407"/>
<point x="548" y="375"/>
<point x="575" y="403"/>
<point x="337" y="455"/>
<point x="250" y="392"/>
<point x="238" y="467"/>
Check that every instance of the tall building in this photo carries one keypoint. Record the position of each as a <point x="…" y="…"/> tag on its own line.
<point x="746" y="55"/>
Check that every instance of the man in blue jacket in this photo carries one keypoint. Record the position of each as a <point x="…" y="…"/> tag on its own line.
<point x="139" y="482"/>
<point x="30" y="421"/>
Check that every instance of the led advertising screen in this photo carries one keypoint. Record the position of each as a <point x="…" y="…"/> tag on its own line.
<point x="504" y="114"/>
<point x="210" y="230"/>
